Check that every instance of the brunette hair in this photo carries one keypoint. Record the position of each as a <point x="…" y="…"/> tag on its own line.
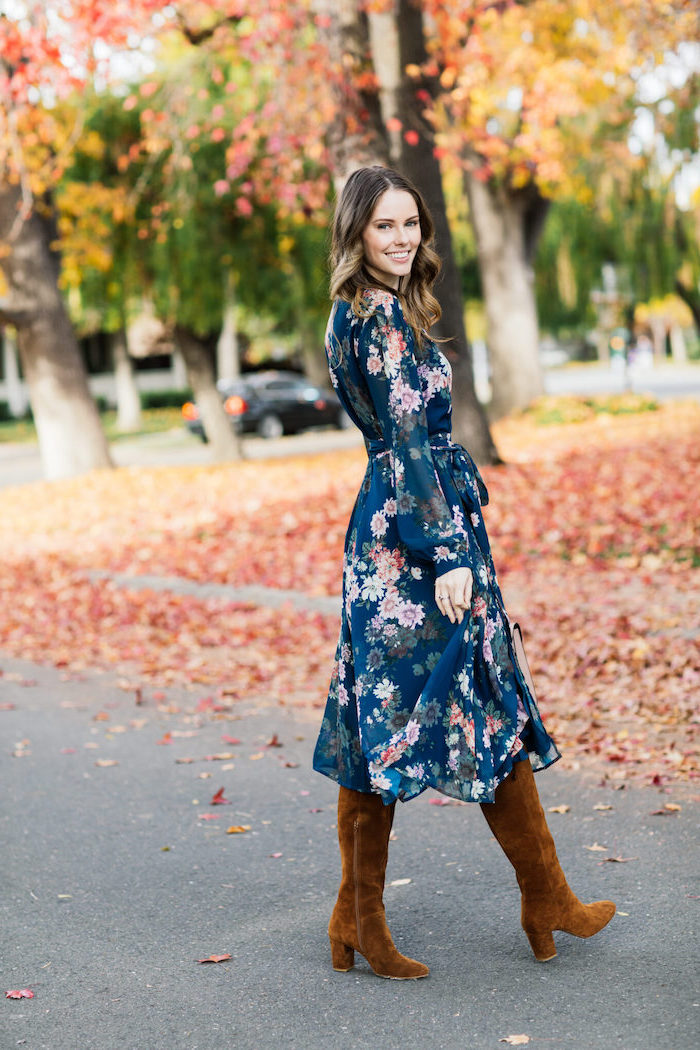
<point x="349" y="274"/>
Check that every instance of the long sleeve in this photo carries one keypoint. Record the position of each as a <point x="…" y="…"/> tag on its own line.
<point x="428" y="526"/>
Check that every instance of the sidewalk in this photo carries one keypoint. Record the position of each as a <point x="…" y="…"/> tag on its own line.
<point x="115" y="885"/>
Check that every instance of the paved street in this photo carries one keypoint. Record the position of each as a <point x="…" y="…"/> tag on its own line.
<point x="114" y="885"/>
<point x="20" y="464"/>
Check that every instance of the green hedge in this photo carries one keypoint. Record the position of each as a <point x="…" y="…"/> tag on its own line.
<point x="165" y="398"/>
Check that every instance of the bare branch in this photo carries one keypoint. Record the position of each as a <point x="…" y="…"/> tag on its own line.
<point x="198" y="36"/>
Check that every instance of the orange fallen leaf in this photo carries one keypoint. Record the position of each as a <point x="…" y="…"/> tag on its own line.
<point x="515" y="1040"/>
<point x="214" y="959"/>
<point x="167" y="738"/>
<point x="673" y="807"/>
<point x="559" y="809"/>
<point x="237" y="829"/>
<point x="103" y="763"/>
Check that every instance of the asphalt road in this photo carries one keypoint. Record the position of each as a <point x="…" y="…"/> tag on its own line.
<point x="114" y="885"/>
<point x="20" y="463"/>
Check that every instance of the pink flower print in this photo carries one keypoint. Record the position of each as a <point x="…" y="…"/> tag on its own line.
<point x="456" y="716"/>
<point x="493" y="724"/>
<point x="468" y="730"/>
<point x="374" y="365"/>
<point x="412" y="731"/>
<point x="389" y="507"/>
<point x="390" y="605"/>
<point x="411" y="615"/>
<point x="474" y="518"/>
<point x="442" y="553"/>
<point x="416" y="772"/>
<point x="343" y="696"/>
<point x="378" y="523"/>
<point x="479" y="607"/>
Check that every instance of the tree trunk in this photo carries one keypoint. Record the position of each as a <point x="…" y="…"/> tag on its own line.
<point x="16" y="395"/>
<point x="71" y="439"/>
<point x="198" y="356"/>
<point x="228" y="364"/>
<point x="128" y="397"/>
<point x="507" y="225"/>
<point x="358" y="137"/>
<point x="691" y="299"/>
<point x="398" y="41"/>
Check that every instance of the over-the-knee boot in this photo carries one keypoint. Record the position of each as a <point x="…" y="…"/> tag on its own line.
<point x="358" y="922"/>
<point x="517" y="820"/>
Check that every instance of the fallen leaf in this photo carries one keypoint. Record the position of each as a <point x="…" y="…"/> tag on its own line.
<point x="515" y="1040"/>
<point x="103" y="763"/>
<point x="446" y="802"/>
<point x="184" y="761"/>
<point x="291" y="765"/>
<point x="673" y="806"/>
<point x="596" y="848"/>
<point x="256" y="757"/>
<point x="563" y="808"/>
<point x="7" y="707"/>
<point x="237" y="829"/>
<point x="230" y="739"/>
<point x="221" y="756"/>
<point x="274" y="741"/>
<point x="167" y="738"/>
<point x="21" y="993"/>
<point x="214" y="959"/>
<point x="101" y="716"/>
<point x="68" y="750"/>
<point x="209" y="816"/>
<point x="316" y="810"/>
<point x="399" y="882"/>
<point x="219" y="800"/>
<point x="276" y="856"/>
<point x="618" y="860"/>
<point x="601" y="806"/>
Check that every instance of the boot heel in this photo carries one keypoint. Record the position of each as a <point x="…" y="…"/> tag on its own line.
<point x="342" y="956"/>
<point x="542" y="944"/>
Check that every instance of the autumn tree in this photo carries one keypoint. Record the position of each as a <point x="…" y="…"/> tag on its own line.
<point x="536" y="101"/>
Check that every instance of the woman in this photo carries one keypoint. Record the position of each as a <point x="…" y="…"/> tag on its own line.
<point x="426" y="690"/>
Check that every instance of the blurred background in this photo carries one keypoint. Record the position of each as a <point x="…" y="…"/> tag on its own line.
<point x="168" y="171"/>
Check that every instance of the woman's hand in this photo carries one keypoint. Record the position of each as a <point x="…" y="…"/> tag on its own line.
<point x="453" y="593"/>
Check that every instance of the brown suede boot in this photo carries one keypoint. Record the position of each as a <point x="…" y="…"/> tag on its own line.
<point x="358" y="922"/>
<point x="518" y="822"/>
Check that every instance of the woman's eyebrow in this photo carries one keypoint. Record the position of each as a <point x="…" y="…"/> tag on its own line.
<point x="394" y="220"/>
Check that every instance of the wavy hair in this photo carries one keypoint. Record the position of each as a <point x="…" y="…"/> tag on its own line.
<point x="349" y="274"/>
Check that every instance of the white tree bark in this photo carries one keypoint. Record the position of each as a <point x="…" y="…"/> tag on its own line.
<point x="225" y="443"/>
<point x="228" y="364"/>
<point x="499" y="220"/>
<point x="17" y="400"/>
<point x="128" y="398"/>
<point x="71" y="439"/>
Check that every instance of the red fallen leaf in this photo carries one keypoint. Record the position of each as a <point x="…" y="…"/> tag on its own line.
<point x="101" y="716"/>
<point x="68" y="750"/>
<point x="214" y="959"/>
<point x="446" y="802"/>
<point x="291" y="765"/>
<point x="7" y="707"/>
<point x="167" y="738"/>
<point x="205" y="704"/>
<point x="209" y="816"/>
<point x="219" y="800"/>
<point x="20" y="993"/>
<point x="274" y="741"/>
<point x="230" y="739"/>
<point x="159" y="696"/>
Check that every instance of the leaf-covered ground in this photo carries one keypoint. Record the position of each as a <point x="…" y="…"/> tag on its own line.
<point x="595" y="534"/>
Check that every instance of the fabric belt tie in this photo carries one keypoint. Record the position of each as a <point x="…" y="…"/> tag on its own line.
<point x="441" y="442"/>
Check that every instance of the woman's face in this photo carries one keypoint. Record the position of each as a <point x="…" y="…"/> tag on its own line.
<point x="391" y="237"/>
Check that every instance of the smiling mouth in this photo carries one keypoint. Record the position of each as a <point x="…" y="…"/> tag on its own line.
<point x="398" y="256"/>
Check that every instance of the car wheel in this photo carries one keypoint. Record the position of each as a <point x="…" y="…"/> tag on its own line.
<point x="270" y="426"/>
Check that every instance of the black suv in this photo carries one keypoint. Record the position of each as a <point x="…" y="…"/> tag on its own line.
<point x="271" y="404"/>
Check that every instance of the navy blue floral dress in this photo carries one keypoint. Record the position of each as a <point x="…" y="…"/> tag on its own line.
<point x="416" y="701"/>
